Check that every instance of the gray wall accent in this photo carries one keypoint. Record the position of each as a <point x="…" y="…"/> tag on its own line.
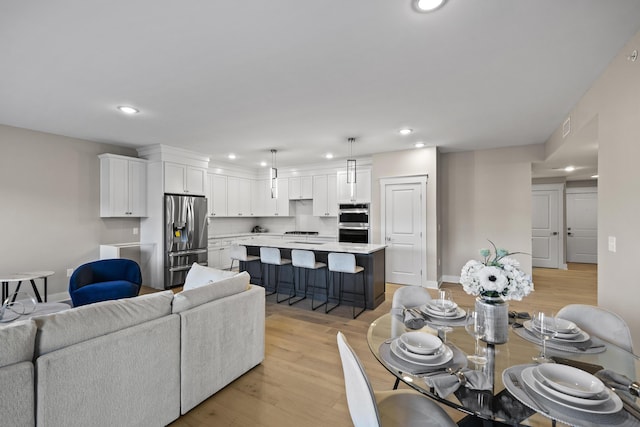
<point x="50" y="204"/>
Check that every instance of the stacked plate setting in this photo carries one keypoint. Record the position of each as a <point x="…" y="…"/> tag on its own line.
<point x="566" y="331"/>
<point x="572" y="388"/>
<point x="421" y="348"/>
<point x="443" y="309"/>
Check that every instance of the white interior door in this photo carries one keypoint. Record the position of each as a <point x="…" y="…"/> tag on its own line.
<point x="404" y="220"/>
<point x="545" y="228"/>
<point x="582" y="227"/>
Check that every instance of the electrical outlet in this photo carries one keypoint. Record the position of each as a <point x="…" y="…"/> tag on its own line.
<point x="69" y="272"/>
<point x="135" y="231"/>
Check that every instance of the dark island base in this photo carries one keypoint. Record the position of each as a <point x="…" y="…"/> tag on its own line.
<point x="374" y="277"/>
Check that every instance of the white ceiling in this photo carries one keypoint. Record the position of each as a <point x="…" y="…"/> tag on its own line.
<point x="301" y="77"/>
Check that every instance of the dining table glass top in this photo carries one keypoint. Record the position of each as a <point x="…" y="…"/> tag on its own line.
<point x="495" y="401"/>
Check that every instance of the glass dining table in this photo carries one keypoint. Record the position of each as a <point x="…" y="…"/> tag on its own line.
<point x="501" y="401"/>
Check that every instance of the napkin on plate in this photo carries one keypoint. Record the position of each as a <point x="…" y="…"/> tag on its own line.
<point x="445" y="383"/>
<point x="412" y="319"/>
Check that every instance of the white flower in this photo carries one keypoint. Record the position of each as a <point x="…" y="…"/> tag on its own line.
<point x="498" y="276"/>
<point x="493" y="279"/>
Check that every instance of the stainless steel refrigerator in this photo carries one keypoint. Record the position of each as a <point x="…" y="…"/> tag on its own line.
<point x="185" y="236"/>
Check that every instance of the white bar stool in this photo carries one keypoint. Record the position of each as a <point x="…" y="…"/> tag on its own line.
<point x="346" y="263"/>
<point x="239" y="253"/>
<point x="306" y="260"/>
<point x="271" y="256"/>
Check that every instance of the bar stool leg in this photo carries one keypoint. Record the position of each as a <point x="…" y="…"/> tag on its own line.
<point x="313" y="294"/>
<point x="331" y="278"/>
<point x="294" y="289"/>
<point x="364" y="297"/>
<point x="265" y="277"/>
<point x="278" y="300"/>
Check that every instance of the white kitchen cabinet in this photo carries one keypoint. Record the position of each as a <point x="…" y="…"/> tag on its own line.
<point x="325" y="195"/>
<point x="238" y="196"/>
<point x="258" y="198"/>
<point x="218" y="255"/>
<point x="280" y="205"/>
<point x="123" y="186"/>
<point x="359" y="192"/>
<point x="184" y="179"/>
<point x="217" y="195"/>
<point x="300" y="187"/>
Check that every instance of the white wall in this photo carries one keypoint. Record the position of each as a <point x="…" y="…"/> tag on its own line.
<point x="486" y="194"/>
<point x="50" y="204"/>
<point x="613" y="101"/>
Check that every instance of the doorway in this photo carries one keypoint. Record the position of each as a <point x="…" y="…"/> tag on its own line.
<point x="403" y="229"/>
<point x="547" y="242"/>
<point x="582" y="225"/>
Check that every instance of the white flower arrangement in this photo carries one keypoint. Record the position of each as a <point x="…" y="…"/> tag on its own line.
<point x="497" y="277"/>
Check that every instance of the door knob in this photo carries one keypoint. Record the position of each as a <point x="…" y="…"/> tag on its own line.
<point x="570" y="233"/>
<point x="555" y="233"/>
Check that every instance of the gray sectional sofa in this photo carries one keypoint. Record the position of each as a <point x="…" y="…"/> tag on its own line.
<point x="141" y="361"/>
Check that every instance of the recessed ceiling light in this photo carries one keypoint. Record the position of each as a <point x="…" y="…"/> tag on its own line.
<point x="263" y="163"/>
<point x="328" y="156"/>
<point x="419" y="144"/>
<point x="427" y="5"/>
<point x="128" y="109"/>
<point x="569" y="169"/>
<point x="232" y="156"/>
<point x="595" y="176"/>
<point x="405" y="131"/>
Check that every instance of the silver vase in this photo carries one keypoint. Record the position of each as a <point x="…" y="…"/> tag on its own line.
<point x="496" y="315"/>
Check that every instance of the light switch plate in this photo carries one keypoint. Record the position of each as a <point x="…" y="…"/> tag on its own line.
<point x="612" y="243"/>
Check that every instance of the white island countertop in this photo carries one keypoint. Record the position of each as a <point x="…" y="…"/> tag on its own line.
<point x="354" y="248"/>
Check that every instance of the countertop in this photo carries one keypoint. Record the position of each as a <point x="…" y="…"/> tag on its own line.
<point x="354" y="248"/>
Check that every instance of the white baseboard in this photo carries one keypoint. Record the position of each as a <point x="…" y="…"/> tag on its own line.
<point x="60" y="296"/>
<point x="451" y="279"/>
<point x="432" y="284"/>
<point x="564" y="267"/>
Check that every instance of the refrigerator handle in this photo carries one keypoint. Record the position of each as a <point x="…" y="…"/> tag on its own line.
<point x="189" y="252"/>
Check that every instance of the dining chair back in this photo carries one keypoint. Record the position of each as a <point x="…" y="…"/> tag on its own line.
<point x="389" y="408"/>
<point x="600" y="322"/>
<point x="410" y="296"/>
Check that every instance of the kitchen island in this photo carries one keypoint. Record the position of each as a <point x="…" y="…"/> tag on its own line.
<point x="369" y="256"/>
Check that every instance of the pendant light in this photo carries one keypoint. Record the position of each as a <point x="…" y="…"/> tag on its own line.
<point x="274" y="175"/>
<point x="351" y="163"/>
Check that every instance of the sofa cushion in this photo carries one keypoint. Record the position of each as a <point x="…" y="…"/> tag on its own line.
<point x="79" y="324"/>
<point x="17" y="342"/>
<point x="199" y="275"/>
<point x="194" y="297"/>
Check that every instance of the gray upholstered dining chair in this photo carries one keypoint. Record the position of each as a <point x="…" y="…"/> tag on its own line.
<point x="387" y="408"/>
<point x="599" y="321"/>
<point x="410" y="296"/>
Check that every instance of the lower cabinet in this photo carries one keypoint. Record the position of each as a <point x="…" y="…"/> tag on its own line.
<point x="219" y="256"/>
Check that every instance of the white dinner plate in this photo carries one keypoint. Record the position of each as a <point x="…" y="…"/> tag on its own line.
<point x="570" y="380"/>
<point x="421" y="357"/>
<point x="598" y="399"/>
<point x="416" y="358"/>
<point x="458" y="314"/>
<point x="582" y="336"/>
<point x="610" y="406"/>
<point x="437" y="304"/>
<point x="563" y="326"/>
<point x="421" y="342"/>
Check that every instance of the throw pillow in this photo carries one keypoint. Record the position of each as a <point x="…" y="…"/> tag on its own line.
<point x="199" y="275"/>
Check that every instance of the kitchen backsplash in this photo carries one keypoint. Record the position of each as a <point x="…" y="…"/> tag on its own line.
<point x="302" y="219"/>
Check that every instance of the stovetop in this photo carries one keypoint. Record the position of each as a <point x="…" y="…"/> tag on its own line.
<point x="302" y="233"/>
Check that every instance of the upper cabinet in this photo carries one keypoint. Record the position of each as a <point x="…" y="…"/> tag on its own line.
<point x="276" y="206"/>
<point x="325" y="198"/>
<point x="238" y="196"/>
<point x="184" y="179"/>
<point x="358" y="192"/>
<point x="300" y="187"/>
<point x="217" y="195"/>
<point x="123" y="186"/>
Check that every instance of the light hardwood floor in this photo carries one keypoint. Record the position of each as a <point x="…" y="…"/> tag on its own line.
<point x="300" y="382"/>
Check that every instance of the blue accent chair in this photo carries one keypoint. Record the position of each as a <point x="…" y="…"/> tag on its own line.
<point x="104" y="280"/>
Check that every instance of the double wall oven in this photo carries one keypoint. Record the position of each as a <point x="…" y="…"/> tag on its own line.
<point x="353" y="223"/>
